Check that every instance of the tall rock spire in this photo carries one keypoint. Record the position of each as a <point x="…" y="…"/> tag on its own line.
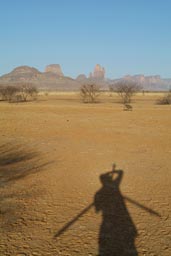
<point x="99" y="72"/>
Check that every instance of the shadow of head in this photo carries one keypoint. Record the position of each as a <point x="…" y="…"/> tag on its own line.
<point x="18" y="161"/>
<point x="106" y="179"/>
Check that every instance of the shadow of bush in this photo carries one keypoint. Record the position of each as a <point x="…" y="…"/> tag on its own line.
<point x="17" y="162"/>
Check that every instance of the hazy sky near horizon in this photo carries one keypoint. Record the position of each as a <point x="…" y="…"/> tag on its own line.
<point x="124" y="36"/>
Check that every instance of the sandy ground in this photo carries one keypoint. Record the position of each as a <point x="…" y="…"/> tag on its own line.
<point x="52" y="153"/>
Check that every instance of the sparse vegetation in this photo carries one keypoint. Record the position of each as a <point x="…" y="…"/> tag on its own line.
<point x="8" y="92"/>
<point x="127" y="107"/>
<point x="126" y="90"/>
<point x="27" y="90"/>
<point x="18" y="93"/>
<point x="165" y="100"/>
<point x="62" y="143"/>
<point x="89" y="93"/>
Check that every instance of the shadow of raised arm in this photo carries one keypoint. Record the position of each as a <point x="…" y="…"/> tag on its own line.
<point x="142" y="206"/>
<point x="86" y="209"/>
<point x="72" y="221"/>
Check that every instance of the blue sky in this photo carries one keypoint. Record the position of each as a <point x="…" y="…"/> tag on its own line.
<point x="124" y="36"/>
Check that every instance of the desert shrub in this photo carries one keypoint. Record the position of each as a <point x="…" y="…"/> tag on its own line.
<point x="17" y="98"/>
<point x="18" y="92"/>
<point x="27" y="90"/>
<point x="127" y="107"/>
<point x="8" y="92"/>
<point x="165" y="100"/>
<point x="2" y="92"/>
<point x="126" y="90"/>
<point x="89" y="93"/>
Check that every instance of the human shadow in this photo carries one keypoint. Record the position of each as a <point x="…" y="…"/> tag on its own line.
<point x="117" y="232"/>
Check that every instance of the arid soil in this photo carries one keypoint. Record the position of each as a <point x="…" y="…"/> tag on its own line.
<point x="52" y="153"/>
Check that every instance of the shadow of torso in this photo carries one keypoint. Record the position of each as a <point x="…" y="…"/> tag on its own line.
<point x="117" y="232"/>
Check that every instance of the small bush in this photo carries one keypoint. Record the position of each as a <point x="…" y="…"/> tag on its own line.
<point x="165" y="100"/>
<point x="127" y="107"/>
<point x="89" y="93"/>
<point x="126" y="90"/>
<point x="8" y="92"/>
<point x="27" y="91"/>
<point x="18" y="93"/>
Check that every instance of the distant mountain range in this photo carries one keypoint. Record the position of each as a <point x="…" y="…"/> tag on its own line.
<point x="54" y="79"/>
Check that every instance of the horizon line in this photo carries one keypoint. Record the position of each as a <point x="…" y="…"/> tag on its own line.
<point x="87" y="76"/>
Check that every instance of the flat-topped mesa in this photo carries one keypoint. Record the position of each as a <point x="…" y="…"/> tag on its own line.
<point x="99" y="72"/>
<point x="55" y="69"/>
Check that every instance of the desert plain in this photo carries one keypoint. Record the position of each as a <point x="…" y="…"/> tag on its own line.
<point x="52" y="153"/>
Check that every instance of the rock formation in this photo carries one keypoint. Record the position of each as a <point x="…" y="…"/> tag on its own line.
<point x="99" y="72"/>
<point x="149" y="83"/>
<point x="55" y="69"/>
<point x="25" y="70"/>
<point x="42" y="80"/>
<point x="20" y="74"/>
<point x="81" y="77"/>
<point x="53" y="79"/>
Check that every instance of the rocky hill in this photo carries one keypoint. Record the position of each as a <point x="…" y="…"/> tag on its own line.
<point x="149" y="83"/>
<point x="54" y="79"/>
<point x="51" y="79"/>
